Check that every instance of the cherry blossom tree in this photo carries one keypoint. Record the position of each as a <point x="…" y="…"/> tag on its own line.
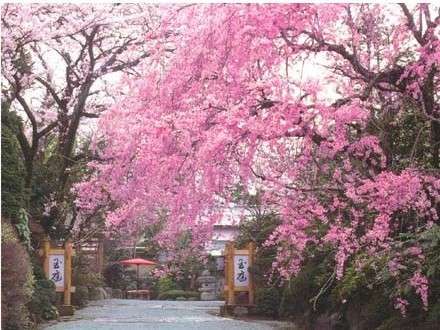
<point x="59" y="68"/>
<point x="333" y="153"/>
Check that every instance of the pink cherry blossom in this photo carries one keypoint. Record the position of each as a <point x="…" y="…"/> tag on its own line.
<point x="228" y="106"/>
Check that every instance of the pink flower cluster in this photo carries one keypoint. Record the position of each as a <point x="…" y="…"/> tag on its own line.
<point x="226" y="108"/>
<point x="420" y="283"/>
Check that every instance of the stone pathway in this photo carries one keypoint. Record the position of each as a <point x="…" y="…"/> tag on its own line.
<point x="113" y="314"/>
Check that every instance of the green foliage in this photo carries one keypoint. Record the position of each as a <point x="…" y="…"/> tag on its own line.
<point x="174" y="294"/>
<point x="84" y="278"/>
<point x="361" y="298"/>
<point x="434" y="313"/>
<point x="257" y="228"/>
<point x="22" y="226"/>
<point x="367" y="293"/>
<point x="374" y="271"/>
<point x="409" y="136"/>
<point x="430" y="241"/>
<point x="12" y="167"/>
<point x="151" y="249"/>
<point x="23" y="61"/>
<point x="112" y="252"/>
<point x="166" y="284"/>
<point x="89" y="279"/>
<point x="189" y="267"/>
<point x="9" y="233"/>
<point x="43" y="300"/>
<point x="115" y="276"/>
<point x="132" y="285"/>
<point x="81" y="296"/>
<point x="146" y="282"/>
<point x="42" y="304"/>
<point x="83" y="275"/>
<point x="304" y="289"/>
<point x="268" y="301"/>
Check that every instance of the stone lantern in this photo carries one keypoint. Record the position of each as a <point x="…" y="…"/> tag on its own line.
<point x="208" y="286"/>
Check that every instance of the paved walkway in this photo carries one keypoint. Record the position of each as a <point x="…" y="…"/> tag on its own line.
<point x="125" y="314"/>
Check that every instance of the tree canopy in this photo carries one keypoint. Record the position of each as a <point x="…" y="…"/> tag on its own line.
<point x="339" y="156"/>
<point x="332" y="110"/>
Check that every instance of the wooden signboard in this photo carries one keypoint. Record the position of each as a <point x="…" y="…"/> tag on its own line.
<point x="57" y="264"/>
<point x="238" y="277"/>
<point x="56" y="270"/>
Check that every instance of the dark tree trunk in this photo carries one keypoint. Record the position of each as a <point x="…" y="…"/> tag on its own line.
<point x="435" y="144"/>
<point x="428" y="107"/>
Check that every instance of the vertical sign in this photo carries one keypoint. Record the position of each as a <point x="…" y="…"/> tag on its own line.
<point x="237" y="275"/>
<point x="57" y="264"/>
<point x="56" y="270"/>
<point x="241" y="271"/>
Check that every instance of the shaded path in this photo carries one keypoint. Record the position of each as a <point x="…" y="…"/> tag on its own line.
<point x="141" y="314"/>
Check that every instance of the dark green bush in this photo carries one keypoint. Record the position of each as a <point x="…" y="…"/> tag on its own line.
<point x="12" y="168"/>
<point x="90" y="279"/>
<point x="131" y="285"/>
<point x="434" y="313"/>
<point x="268" y="301"/>
<point x="145" y="283"/>
<point x="115" y="277"/>
<point x="42" y="304"/>
<point x="173" y="294"/>
<point x="83" y="274"/>
<point x="166" y="284"/>
<point x="81" y="296"/>
<point x="296" y="298"/>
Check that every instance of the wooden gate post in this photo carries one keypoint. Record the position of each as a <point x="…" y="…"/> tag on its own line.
<point x="251" y="248"/>
<point x="68" y="272"/>
<point x="230" y="272"/>
<point x="46" y="251"/>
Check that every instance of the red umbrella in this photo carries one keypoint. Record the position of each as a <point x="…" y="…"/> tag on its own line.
<point x="137" y="262"/>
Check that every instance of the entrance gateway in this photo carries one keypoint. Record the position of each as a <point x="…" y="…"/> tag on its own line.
<point x="238" y="278"/>
<point x="57" y="264"/>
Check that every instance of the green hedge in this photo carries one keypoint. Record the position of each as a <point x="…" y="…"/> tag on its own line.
<point x="81" y="296"/>
<point x="173" y="294"/>
<point x="268" y="301"/>
<point x="166" y="284"/>
<point x="42" y="304"/>
<point x="12" y="168"/>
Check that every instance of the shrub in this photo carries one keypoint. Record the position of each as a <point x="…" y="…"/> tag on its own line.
<point x="42" y="304"/>
<point x="83" y="274"/>
<point x="12" y="167"/>
<point x="296" y="299"/>
<point x="166" y="284"/>
<point x="174" y="294"/>
<point x="17" y="280"/>
<point x="268" y="301"/>
<point x="145" y="283"/>
<point x="90" y="279"/>
<point x="434" y="313"/>
<point x="115" y="276"/>
<point x="81" y="296"/>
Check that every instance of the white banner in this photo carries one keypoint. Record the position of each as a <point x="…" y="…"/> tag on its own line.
<point x="241" y="271"/>
<point x="56" y="269"/>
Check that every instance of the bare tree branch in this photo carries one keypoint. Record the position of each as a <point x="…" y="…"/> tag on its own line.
<point x="52" y="91"/>
<point x="417" y="34"/>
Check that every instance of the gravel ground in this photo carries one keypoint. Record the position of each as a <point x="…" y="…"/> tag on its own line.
<point x="127" y="314"/>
